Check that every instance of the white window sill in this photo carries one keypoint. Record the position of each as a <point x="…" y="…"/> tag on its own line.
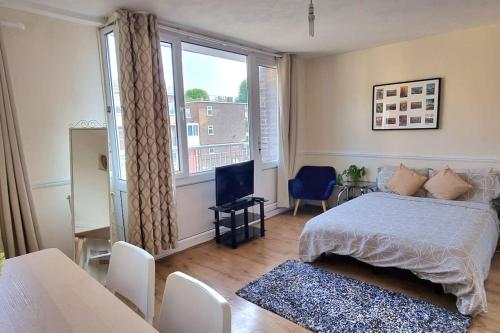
<point x="270" y="165"/>
<point x="208" y="176"/>
<point x="204" y="177"/>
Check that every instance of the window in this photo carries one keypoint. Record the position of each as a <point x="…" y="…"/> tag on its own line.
<point x="202" y="79"/>
<point x="114" y="101"/>
<point x="210" y="111"/>
<point x="193" y="134"/>
<point x="268" y="95"/>
<point x="174" y="138"/>
<point x="168" y="73"/>
<point x="219" y="76"/>
<point x="192" y="129"/>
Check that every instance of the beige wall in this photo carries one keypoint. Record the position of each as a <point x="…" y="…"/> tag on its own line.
<point x="338" y="101"/>
<point x="56" y="78"/>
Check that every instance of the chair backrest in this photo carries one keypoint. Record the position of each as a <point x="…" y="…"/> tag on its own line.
<point x="191" y="306"/>
<point x="132" y="274"/>
<point x="316" y="176"/>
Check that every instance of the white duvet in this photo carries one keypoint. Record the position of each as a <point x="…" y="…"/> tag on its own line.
<point x="446" y="242"/>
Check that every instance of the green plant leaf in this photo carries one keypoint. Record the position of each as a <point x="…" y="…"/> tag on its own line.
<point x="354" y="172"/>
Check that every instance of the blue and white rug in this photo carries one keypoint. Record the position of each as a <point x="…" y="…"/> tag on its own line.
<point x="327" y="302"/>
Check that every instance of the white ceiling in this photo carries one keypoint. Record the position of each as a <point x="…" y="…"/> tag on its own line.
<point x="341" y="25"/>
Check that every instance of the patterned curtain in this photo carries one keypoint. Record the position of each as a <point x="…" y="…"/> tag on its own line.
<point x="19" y="232"/>
<point x="151" y="206"/>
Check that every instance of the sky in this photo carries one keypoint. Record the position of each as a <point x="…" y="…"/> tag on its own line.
<point x="217" y="76"/>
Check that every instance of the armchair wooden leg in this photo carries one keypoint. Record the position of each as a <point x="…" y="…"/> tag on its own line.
<point x="323" y="203"/>
<point x="297" y="203"/>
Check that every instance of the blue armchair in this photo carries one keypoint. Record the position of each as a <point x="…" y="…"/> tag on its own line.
<point x="312" y="183"/>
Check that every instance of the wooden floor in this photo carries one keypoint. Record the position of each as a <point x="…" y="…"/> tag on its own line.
<point x="227" y="270"/>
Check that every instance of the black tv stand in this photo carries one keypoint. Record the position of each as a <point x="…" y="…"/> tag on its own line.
<point x="240" y="231"/>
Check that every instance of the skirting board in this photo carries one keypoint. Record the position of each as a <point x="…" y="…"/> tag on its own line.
<point x="270" y="211"/>
<point x="470" y="159"/>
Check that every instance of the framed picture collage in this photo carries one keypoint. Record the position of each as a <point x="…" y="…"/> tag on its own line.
<point x="406" y="105"/>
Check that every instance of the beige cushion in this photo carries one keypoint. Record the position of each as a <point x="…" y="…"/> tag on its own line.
<point x="446" y="184"/>
<point x="406" y="181"/>
<point x="385" y="173"/>
<point x="485" y="185"/>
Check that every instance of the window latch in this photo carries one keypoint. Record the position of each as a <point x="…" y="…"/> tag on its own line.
<point x="183" y="112"/>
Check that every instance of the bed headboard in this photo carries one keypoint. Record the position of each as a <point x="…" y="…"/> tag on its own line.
<point x="485" y="181"/>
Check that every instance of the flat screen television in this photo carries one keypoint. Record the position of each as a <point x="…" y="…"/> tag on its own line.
<point x="233" y="182"/>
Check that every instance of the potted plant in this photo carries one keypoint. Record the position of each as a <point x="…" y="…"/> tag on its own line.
<point x="354" y="173"/>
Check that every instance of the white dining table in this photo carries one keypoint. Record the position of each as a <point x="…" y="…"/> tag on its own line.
<point x="47" y="292"/>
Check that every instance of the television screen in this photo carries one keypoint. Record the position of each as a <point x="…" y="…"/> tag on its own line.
<point x="233" y="182"/>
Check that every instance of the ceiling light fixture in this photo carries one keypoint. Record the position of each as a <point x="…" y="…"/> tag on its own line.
<point x="311" y="19"/>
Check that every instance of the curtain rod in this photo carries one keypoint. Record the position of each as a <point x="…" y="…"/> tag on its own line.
<point x="13" y="25"/>
<point x="216" y="41"/>
<point x="163" y="26"/>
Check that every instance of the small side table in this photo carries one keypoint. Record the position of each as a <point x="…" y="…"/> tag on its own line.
<point x="348" y="187"/>
<point x="496" y="205"/>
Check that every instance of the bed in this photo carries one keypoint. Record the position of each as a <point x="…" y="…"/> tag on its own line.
<point x="446" y="242"/>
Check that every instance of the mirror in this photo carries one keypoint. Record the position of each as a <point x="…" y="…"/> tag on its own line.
<point x="90" y="194"/>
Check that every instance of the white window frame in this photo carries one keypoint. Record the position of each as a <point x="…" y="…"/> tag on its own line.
<point x="118" y="185"/>
<point x="180" y="107"/>
<point x="271" y="63"/>
<point x="170" y="110"/>
<point x="253" y="60"/>
<point x="110" y="105"/>
<point x="210" y="111"/>
<point x="210" y="130"/>
<point x="185" y="178"/>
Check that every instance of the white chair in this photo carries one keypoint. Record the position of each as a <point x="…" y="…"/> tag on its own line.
<point x="132" y="274"/>
<point x="190" y="306"/>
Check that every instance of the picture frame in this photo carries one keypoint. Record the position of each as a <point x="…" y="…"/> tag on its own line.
<point x="406" y="105"/>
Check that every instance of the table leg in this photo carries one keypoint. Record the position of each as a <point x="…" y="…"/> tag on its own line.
<point x="262" y="230"/>
<point x="217" y="229"/>
<point x="79" y="249"/>
<point x="340" y="195"/>
<point x="233" y="229"/>
<point x="245" y="211"/>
